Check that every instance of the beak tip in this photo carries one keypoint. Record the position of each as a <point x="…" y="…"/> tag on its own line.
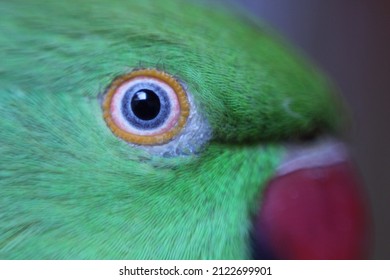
<point x="313" y="213"/>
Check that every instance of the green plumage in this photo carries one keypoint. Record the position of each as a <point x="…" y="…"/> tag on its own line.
<point x="70" y="189"/>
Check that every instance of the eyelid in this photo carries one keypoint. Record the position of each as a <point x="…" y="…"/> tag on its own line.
<point x="124" y="125"/>
<point x="118" y="86"/>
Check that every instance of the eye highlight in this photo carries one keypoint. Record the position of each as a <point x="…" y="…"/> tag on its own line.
<point x="146" y="107"/>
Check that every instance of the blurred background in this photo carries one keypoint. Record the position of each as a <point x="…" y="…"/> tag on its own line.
<point x="350" y="41"/>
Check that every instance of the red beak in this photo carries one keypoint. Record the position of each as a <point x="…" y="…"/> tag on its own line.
<point x="314" y="212"/>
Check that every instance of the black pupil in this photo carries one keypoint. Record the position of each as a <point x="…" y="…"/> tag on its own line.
<point x="145" y="104"/>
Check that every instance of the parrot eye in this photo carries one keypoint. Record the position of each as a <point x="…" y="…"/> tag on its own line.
<point x="146" y="107"/>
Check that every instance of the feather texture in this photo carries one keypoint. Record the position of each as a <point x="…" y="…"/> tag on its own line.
<point x="69" y="189"/>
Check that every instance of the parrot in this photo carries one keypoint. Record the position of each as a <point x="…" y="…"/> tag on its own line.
<point x="171" y="129"/>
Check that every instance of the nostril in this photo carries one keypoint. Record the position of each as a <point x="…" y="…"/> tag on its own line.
<point x="307" y="137"/>
<point x="321" y="151"/>
<point x="310" y="136"/>
<point x="317" y="131"/>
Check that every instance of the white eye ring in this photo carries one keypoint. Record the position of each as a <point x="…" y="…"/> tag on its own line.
<point x="183" y="130"/>
<point x="171" y="115"/>
<point x="144" y="82"/>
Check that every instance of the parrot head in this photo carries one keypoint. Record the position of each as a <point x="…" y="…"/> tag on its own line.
<point x="166" y="130"/>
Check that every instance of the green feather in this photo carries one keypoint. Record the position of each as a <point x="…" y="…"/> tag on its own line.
<point x="70" y="189"/>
